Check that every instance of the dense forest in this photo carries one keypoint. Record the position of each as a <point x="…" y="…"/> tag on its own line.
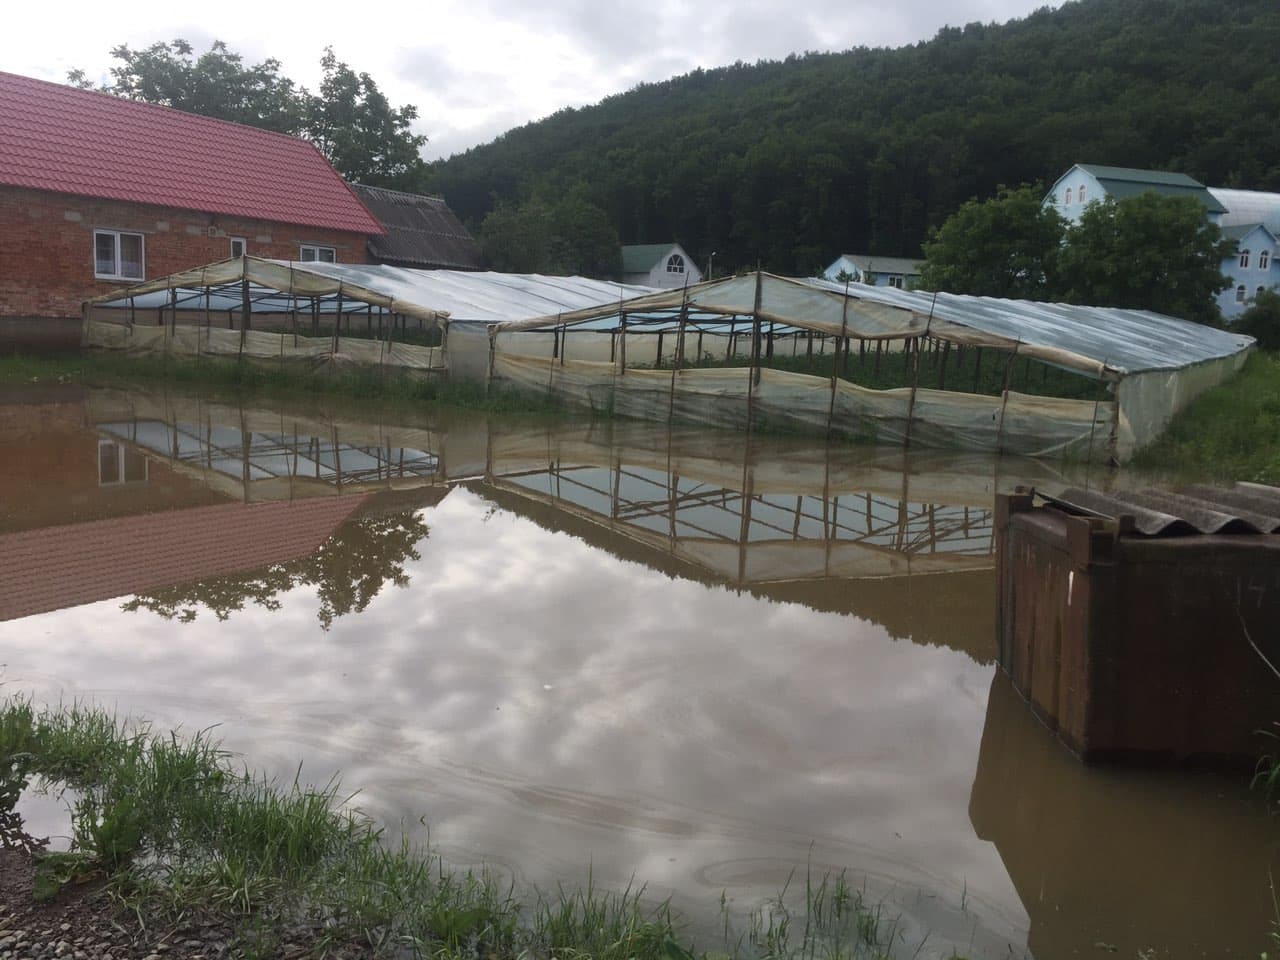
<point x="791" y="163"/>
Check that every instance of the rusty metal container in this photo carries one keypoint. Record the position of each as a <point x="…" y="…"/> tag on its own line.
<point x="1140" y="633"/>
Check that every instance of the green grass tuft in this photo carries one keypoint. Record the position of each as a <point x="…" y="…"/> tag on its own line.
<point x="175" y="827"/>
<point x="1231" y="432"/>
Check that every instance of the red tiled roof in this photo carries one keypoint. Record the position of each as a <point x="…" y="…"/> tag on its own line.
<point x="55" y="137"/>
<point x="56" y="567"/>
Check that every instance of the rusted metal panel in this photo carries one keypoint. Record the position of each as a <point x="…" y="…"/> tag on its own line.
<point x="1130" y="645"/>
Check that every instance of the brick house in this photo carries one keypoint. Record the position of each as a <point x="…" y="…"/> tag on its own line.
<point x="98" y="192"/>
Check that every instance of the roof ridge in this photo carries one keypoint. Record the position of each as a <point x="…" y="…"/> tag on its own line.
<point x="67" y="88"/>
<point x="399" y="193"/>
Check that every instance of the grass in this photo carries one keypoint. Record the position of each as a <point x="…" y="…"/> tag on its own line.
<point x="113" y="370"/>
<point x="1231" y="432"/>
<point x="176" y="827"/>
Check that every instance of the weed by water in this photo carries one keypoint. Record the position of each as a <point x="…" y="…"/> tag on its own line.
<point x="176" y="827"/>
<point x="1231" y="432"/>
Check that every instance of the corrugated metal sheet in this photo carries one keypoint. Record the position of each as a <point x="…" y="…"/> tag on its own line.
<point x="1246" y="508"/>
<point x="421" y="231"/>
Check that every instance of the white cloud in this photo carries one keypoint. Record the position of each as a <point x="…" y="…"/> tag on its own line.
<point x="477" y="68"/>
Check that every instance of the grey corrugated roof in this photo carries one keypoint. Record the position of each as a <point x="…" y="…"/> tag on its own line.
<point x="872" y="264"/>
<point x="1241" y="230"/>
<point x="421" y="231"/>
<point x="1123" y="182"/>
<point x="1249" y="206"/>
<point x="1244" y="508"/>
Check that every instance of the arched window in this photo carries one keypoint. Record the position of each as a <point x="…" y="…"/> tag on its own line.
<point x="1244" y="259"/>
<point x="1068" y="196"/>
<point x="1240" y="294"/>
<point x="1264" y="259"/>
<point x="1082" y="193"/>
<point x="675" y="263"/>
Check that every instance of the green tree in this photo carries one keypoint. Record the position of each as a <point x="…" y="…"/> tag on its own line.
<point x="1262" y="320"/>
<point x="365" y="138"/>
<point x="1002" y="247"/>
<point x="214" y="84"/>
<point x="1148" y="252"/>
<point x="566" y="235"/>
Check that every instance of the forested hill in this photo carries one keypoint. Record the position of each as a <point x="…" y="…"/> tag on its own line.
<point x="793" y="162"/>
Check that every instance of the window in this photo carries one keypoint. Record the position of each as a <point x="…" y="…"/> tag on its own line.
<point x="239" y="247"/>
<point x="120" y="464"/>
<point x="1082" y="193"/>
<point x="1068" y="196"/>
<point x="117" y="256"/>
<point x="1264" y="259"/>
<point x="895" y="282"/>
<point x="1240" y="294"/>
<point x="675" y="263"/>
<point x="1244" y="258"/>
<point x="312" y="254"/>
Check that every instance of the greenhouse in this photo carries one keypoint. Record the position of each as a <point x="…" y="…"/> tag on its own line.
<point x="753" y="351"/>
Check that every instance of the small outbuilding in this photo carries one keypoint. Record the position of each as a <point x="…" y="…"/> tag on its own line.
<point x="661" y="265"/>
<point x="421" y="232"/>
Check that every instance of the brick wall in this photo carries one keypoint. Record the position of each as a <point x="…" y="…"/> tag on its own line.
<point x="46" y="246"/>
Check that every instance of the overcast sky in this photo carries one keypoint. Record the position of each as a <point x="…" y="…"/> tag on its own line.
<point x="475" y="68"/>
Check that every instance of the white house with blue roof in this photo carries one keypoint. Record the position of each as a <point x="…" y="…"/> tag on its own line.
<point x="1249" y="217"/>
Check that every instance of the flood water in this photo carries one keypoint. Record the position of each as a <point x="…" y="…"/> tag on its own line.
<point x="695" y="660"/>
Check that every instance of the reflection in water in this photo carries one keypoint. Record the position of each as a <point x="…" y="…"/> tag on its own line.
<point x="694" y="659"/>
<point x="1152" y="863"/>
<point x="348" y="570"/>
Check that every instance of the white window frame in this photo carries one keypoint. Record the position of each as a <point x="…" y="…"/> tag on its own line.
<point x="1264" y="259"/>
<point x="1070" y="193"/>
<point x="120" y="477"/>
<point x="1240" y="293"/>
<point x="115" y="236"/>
<point x="315" y="250"/>
<point x="1244" y="259"/>
<point x="244" y="246"/>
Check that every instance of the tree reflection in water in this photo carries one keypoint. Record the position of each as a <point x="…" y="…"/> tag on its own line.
<point x="348" y="570"/>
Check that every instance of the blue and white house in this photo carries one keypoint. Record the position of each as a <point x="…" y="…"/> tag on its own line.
<point x="896" y="272"/>
<point x="1249" y="217"/>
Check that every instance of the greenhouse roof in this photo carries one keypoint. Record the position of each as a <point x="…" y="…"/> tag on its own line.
<point x="455" y="295"/>
<point x="1103" y="341"/>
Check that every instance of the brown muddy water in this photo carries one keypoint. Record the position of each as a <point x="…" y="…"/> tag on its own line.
<point x="694" y="660"/>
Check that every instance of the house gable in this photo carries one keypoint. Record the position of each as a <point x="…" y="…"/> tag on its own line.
<point x="665" y="265"/>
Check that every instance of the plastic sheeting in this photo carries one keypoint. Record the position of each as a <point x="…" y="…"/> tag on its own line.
<point x="1100" y="341"/>
<point x="260" y="345"/>
<point x="783" y="401"/>
<point x="433" y="295"/>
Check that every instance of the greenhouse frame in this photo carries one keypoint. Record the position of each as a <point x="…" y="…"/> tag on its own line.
<point x="752" y="351"/>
